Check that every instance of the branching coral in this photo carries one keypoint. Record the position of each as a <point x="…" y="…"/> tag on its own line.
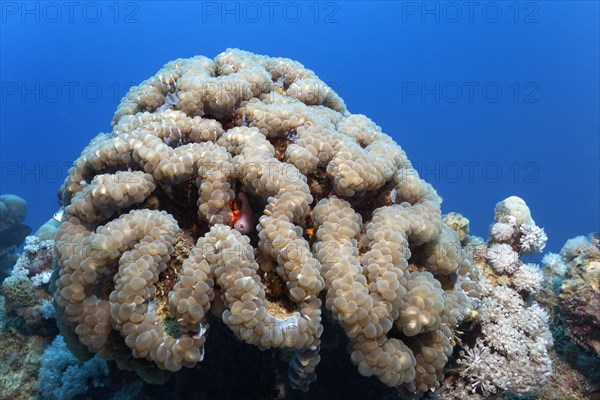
<point x="243" y="187"/>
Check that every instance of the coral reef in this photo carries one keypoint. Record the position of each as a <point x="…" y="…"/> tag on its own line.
<point x="567" y="383"/>
<point x="20" y="351"/>
<point x="63" y="376"/>
<point x="580" y="291"/>
<point x="577" y="365"/>
<point x="240" y="191"/>
<point x="27" y="322"/>
<point x="48" y="230"/>
<point x="507" y="349"/>
<point x="26" y="290"/>
<point x="555" y="264"/>
<point x="13" y="211"/>
<point x="457" y="223"/>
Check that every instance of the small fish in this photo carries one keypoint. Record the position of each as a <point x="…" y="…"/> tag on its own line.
<point x="15" y="235"/>
<point x="245" y="219"/>
<point x="171" y="100"/>
<point x="58" y="215"/>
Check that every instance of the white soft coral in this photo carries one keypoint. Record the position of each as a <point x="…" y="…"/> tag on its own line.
<point x="503" y="258"/>
<point x="533" y="239"/>
<point x="502" y="232"/>
<point x="555" y="263"/>
<point x="528" y="278"/>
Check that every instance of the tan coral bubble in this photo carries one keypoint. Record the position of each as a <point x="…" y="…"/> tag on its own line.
<point x="250" y="150"/>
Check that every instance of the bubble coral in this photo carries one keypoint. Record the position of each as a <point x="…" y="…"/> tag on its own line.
<point x="152" y="238"/>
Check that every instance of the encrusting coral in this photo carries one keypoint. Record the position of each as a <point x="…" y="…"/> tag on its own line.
<point x="242" y="187"/>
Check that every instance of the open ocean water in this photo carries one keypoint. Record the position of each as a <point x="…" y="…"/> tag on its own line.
<point x="489" y="99"/>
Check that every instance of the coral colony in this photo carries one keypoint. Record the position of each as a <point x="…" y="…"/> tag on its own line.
<point x="238" y="197"/>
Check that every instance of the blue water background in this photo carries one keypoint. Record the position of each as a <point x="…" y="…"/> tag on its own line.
<point x="400" y="63"/>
